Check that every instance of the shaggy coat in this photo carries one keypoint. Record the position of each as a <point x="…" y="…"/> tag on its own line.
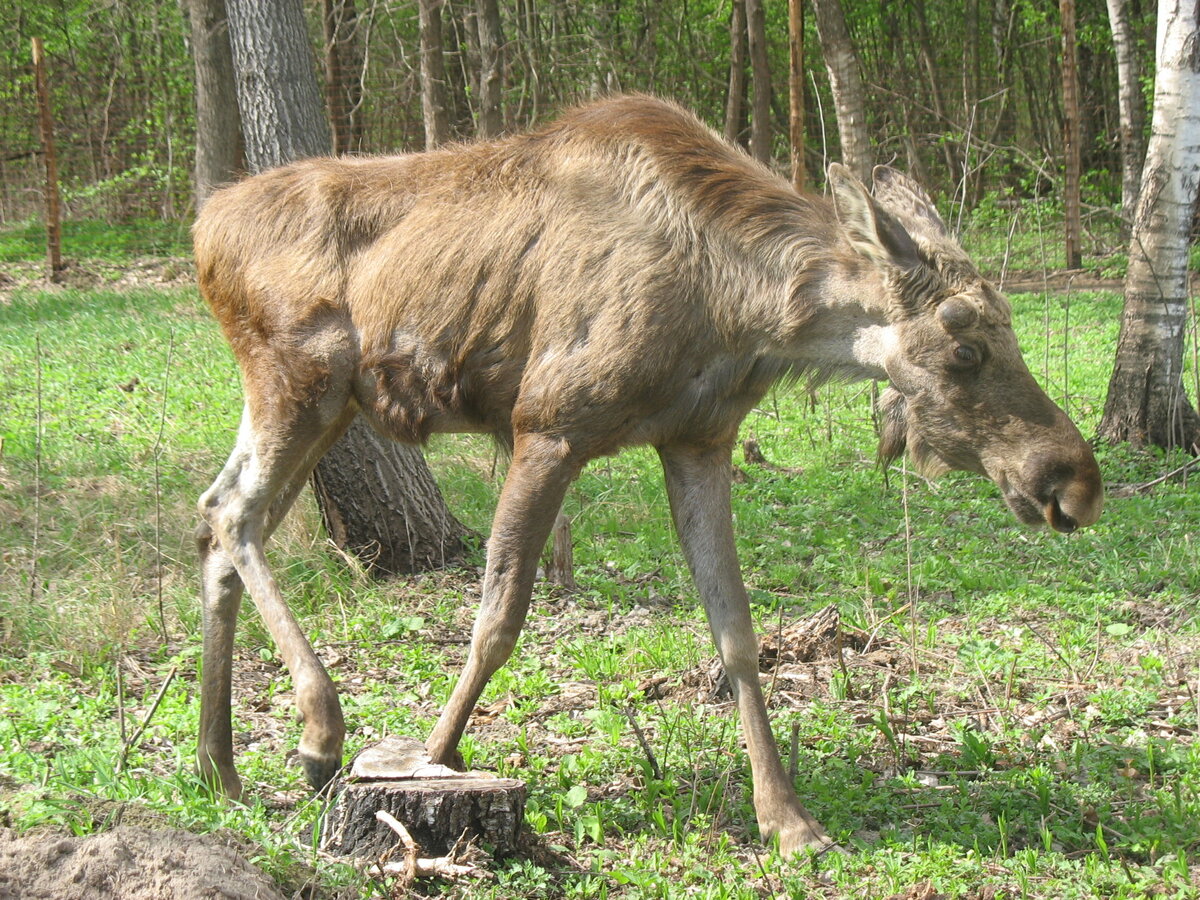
<point x="621" y="276"/>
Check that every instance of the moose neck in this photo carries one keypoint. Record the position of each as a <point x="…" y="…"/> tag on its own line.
<point x="824" y="311"/>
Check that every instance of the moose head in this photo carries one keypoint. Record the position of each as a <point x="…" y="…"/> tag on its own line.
<point x="960" y="395"/>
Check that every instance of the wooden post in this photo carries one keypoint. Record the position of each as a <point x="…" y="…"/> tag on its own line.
<point x="1071" y="137"/>
<point x="560" y="568"/>
<point x="796" y="89"/>
<point x="54" y="263"/>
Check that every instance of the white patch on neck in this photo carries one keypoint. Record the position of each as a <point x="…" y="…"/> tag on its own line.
<point x="874" y="346"/>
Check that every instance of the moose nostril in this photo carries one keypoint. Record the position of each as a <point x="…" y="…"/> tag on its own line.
<point x="1058" y="519"/>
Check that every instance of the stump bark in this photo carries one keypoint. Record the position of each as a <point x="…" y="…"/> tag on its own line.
<point x="436" y="804"/>
<point x="560" y="568"/>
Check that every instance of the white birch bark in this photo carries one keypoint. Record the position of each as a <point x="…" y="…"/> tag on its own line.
<point x="1146" y="399"/>
<point x="1129" y="105"/>
<point x="845" y="82"/>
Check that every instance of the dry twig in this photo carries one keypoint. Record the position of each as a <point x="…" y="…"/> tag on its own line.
<point x="136" y="736"/>
<point x="415" y="866"/>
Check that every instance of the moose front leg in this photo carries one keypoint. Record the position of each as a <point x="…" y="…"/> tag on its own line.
<point x="698" y="485"/>
<point x="541" y="471"/>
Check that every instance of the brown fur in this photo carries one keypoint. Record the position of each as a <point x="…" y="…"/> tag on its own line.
<point x="621" y="276"/>
<point x="460" y="271"/>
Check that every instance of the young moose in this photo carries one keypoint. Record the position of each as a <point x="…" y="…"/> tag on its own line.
<point x="622" y="276"/>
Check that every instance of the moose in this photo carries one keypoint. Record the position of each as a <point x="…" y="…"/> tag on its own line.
<point x="620" y="276"/>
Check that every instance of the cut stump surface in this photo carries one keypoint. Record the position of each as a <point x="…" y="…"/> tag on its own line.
<point x="436" y="804"/>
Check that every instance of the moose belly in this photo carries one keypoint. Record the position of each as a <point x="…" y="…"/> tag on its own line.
<point x="414" y="390"/>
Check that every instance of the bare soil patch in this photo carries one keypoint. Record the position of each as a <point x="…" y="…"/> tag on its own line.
<point x="131" y="863"/>
<point x="91" y="274"/>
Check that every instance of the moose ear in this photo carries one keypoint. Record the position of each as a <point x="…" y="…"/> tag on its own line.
<point x="908" y="202"/>
<point x="871" y="230"/>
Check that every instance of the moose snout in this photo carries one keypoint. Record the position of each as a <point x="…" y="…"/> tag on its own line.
<point x="1071" y="495"/>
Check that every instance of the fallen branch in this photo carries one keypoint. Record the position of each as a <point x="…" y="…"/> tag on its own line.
<point x="651" y="759"/>
<point x="414" y="866"/>
<point x="136" y="736"/>
<point x="1128" y="490"/>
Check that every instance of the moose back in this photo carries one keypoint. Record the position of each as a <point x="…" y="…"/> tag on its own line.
<point x="621" y="276"/>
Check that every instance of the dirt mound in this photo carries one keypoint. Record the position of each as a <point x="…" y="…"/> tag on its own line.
<point x="128" y="863"/>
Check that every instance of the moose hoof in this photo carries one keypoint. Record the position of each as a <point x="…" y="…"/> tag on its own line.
<point x="222" y="780"/>
<point x="796" y="830"/>
<point x="319" y="770"/>
<point x="791" y="844"/>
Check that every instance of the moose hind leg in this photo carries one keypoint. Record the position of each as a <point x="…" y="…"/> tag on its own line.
<point x="698" y="485"/>
<point x="220" y="598"/>
<point x="537" y="481"/>
<point x="251" y="495"/>
<point x="221" y="592"/>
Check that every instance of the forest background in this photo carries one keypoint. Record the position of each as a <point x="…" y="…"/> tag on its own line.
<point x="966" y="96"/>
<point x="1006" y="713"/>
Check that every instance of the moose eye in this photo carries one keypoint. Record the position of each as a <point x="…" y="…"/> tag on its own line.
<point x="965" y="355"/>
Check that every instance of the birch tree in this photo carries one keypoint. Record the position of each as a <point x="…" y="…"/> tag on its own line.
<point x="1146" y="401"/>
<point x="1130" y="113"/>
<point x="845" y="82"/>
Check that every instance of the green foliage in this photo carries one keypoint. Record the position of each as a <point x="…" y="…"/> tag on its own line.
<point x="948" y="93"/>
<point x="120" y="81"/>
<point x="96" y="240"/>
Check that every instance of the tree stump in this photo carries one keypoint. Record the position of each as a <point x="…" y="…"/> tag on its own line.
<point x="436" y="804"/>
<point x="560" y="568"/>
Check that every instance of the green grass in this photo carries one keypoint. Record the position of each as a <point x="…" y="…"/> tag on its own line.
<point x="1023" y="723"/>
<point x="96" y="240"/>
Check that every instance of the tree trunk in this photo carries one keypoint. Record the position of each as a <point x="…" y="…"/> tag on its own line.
<point x="436" y="805"/>
<point x="54" y="260"/>
<point x="796" y="91"/>
<point x="218" y="123"/>
<point x="560" y="565"/>
<point x="371" y="490"/>
<point x="1146" y="401"/>
<point x="433" y="74"/>
<point x="1002" y="46"/>
<point x="1072" y="226"/>
<point x="282" y="115"/>
<point x="736" y="98"/>
<point x="1129" y="105"/>
<point x="343" y="74"/>
<point x="760" y="115"/>
<point x="528" y="47"/>
<point x="379" y="500"/>
<point x="491" y="69"/>
<point x="845" y="81"/>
